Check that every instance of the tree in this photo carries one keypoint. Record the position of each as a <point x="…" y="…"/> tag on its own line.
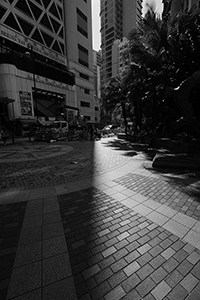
<point x="114" y="98"/>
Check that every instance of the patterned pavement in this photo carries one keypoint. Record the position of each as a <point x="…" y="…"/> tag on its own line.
<point x="94" y="221"/>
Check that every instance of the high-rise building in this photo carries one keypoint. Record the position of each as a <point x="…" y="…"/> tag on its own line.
<point x="45" y="59"/>
<point x="78" y="32"/>
<point x="97" y="92"/>
<point x="118" y="18"/>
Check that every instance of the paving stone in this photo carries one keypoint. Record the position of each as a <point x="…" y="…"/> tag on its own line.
<point x="196" y="271"/>
<point x="100" y="291"/>
<point x="174" y="278"/>
<point x="185" y="267"/>
<point x="157" y="261"/>
<point x="91" y="271"/>
<point x="103" y="275"/>
<point x="109" y="251"/>
<point x="131" y="268"/>
<point x="169" y="252"/>
<point x="193" y="258"/>
<point x="116" y="294"/>
<point x="116" y="279"/>
<point x="189" y="282"/>
<point x="178" y="293"/>
<point x="59" y="290"/>
<point x="145" y="271"/>
<point x="25" y="279"/>
<point x="195" y="295"/>
<point x="170" y="265"/>
<point x="161" y="290"/>
<point x="158" y="275"/>
<point x="145" y="287"/>
<point x="56" y="268"/>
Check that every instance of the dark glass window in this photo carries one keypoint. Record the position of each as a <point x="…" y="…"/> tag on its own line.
<point x="11" y="22"/>
<point x="85" y="104"/>
<point x="82" y="22"/>
<point x="83" y="56"/>
<point x="55" y="24"/>
<point x="2" y="11"/>
<point x="54" y="11"/>
<point x="87" y="91"/>
<point x="22" y="5"/>
<point x="84" y="76"/>
<point x="36" y="10"/>
<point x="38" y="1"/>
<point x="48" y="39"/>
<point x="62" y="47"/>
<point x="26" y="27"/>
<point x="37" y="37"/>
<point x="45" y="3"/>
<point x="56" y="47"/>
<point x="60" y="12"/>
<point x="46" y="23"/>
<point x="61" y="34"/>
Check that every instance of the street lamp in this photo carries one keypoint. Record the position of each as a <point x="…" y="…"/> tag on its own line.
<point x="34" y="81"/>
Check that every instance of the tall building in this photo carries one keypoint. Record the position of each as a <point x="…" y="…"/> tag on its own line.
<point x="118" y="18"/>
<point x="78" y="32"/>
<point x="119" y="59"/>
<point x="45" y="59"/>
<point x="97" y="92"/>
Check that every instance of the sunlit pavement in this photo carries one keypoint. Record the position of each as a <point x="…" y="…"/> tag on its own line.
<point x="93" y="220"/>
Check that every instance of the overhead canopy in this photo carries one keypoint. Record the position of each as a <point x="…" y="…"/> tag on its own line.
<point x="6" y="100"/>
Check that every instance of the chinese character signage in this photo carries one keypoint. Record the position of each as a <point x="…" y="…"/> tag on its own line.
<point x="26" y="104"/>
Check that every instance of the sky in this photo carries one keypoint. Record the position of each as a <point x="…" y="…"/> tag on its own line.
<point x="96" y="20"/>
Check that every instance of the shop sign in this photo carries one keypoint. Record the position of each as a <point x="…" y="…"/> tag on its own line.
<point x="25" y="102"/>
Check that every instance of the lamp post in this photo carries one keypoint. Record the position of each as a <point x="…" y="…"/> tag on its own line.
<point x="34" y="81"/>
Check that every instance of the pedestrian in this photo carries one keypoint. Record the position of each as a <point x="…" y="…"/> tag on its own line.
<point x="4" y="136"/>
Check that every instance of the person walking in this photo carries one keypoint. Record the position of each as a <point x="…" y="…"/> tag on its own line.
<point x="4" y="136"/>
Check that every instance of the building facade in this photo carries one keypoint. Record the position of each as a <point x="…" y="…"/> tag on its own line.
<point x="80" y="54"/>
<point x="118" y="18"/>
<point x="97" y="92"/>
<point x="45" y="60"/>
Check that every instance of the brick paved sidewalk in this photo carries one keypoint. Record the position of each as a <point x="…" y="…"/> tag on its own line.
<point x="113" y="235"/>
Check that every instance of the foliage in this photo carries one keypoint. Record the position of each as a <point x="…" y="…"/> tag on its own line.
<point x="162" y="53"/>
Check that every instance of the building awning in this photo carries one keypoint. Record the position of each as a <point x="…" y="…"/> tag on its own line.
<point x="6" y="100"/>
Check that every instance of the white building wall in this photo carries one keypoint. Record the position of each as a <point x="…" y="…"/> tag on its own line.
<point x="73" y="38"/>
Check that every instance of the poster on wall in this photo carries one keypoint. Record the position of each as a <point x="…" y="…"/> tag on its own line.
<point x="26" y="104"/>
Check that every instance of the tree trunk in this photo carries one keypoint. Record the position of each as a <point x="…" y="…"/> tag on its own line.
<point x="125" y="117"/>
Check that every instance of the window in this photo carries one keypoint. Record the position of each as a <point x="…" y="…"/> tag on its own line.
<point x="87" y="91"/>
<point x="85" y="104"/>
<point x="96" y="108"/>
<point x="84" y="76"/>
<point x="81" y="22"/>
<point x="83" y="56"/>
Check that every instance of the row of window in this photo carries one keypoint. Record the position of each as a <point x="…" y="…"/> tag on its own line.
<point x="87" y="104"/>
